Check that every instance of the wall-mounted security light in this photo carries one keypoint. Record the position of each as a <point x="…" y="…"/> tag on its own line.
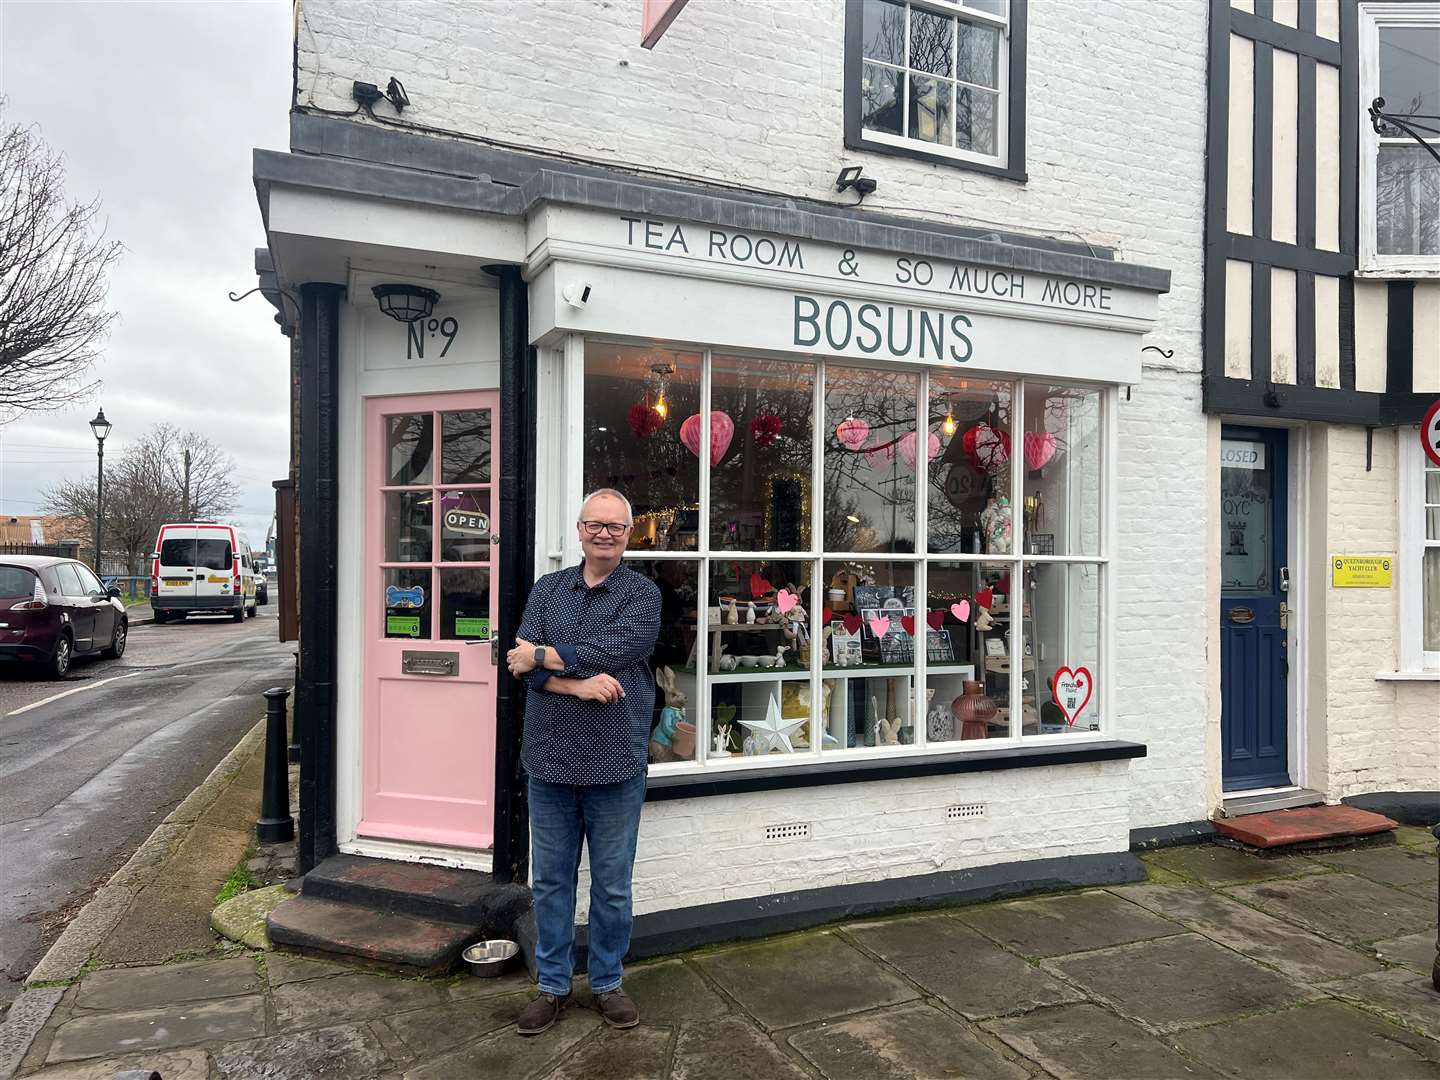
<point x="850" y="178"/>
<point x="577" y="293"/>
<point x="366" y="93"/>
<point x="406" y="303"/>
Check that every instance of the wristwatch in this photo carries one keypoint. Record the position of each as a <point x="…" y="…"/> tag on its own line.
<point x="539" y="656"/>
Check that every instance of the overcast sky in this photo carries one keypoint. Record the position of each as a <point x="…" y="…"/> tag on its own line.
<point x="156" y="107"/>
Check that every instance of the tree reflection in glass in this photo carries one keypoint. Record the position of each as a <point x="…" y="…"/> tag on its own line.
<point x="869" y="464"/>
<point x="760" y="488"/>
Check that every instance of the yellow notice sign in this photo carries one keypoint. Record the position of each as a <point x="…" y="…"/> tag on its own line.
<point x="1361" y="571"/>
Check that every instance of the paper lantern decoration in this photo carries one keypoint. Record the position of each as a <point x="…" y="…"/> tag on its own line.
<point x="1039" y="448"/>
<point x="765" y="429"/>
<point x="852" y="433"/>
<point x="644" y="420"/>
<point x="991" y="453"/>
<point x="880" y="455"/>
<point x="907" y="447"/>
<point x="722" y="430"/>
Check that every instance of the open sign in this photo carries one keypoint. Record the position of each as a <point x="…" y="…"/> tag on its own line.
<point x="467" y="522"/>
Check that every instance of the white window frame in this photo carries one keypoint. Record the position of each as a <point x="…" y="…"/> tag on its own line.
<point x="1001" y="157"/>
<point x="1414" y="658"/>
<point x="1372" y="17"/>
<point x="1104" y="700"/>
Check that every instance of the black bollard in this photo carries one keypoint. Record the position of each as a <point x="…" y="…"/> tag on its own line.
<point x="275" y="825"/>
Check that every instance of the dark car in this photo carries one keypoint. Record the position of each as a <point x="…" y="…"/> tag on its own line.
<point x="53" y="610"/>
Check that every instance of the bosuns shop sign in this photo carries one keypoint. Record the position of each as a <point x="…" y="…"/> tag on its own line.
<point x="891" y="330"/>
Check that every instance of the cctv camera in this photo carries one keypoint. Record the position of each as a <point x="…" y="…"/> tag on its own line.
<point x="577" y="293"/>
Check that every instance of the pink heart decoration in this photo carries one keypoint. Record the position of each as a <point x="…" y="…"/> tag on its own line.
<point x="1072" y="691"/>
<point x="722" y="430"/>
<point x="786" y="600"/>
<point x="1039" y="448"/>
<point x="908" y="622"/>
<point x="961" y="610"/>
<point x="852" y="433"/>
<point x="879" y="625"/>
<point x="936" y="619"/>
<point x="907" y="447"/>
<point x="992" y="448"/>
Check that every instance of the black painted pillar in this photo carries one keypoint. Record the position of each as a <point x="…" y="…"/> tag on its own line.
<point x="317" y="526"/>
<point x="515" y="567"/>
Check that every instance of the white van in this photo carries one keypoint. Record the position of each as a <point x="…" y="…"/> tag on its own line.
<point x="201" y="566"/>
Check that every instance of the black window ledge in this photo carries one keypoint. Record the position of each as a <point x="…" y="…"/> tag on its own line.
<point x="823" y="773"/>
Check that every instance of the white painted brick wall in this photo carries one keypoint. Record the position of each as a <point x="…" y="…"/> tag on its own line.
<point x="700" y="851"/>
<point x="750" y="93"/>
<point x="1382" y="736"/>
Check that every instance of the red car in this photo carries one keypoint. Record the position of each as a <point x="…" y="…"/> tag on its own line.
<point x="53" y="610"/>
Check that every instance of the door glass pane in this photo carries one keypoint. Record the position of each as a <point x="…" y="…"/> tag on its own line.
<point x="177" y="553"/>
<point x="969" y="462"/>
<point x="760" y="489"/>
<point x="213" y="554"/>
<point x="1061" y="469"/>
<point x="465" y="447"/>
<point x="407" y="526"/>
<point x="1245" y="516"/>
<point x="465" y="526"/>
<point x="869" y="463"/>
<point x="1061" y="649"/>
<point x="465" y="605"/>
<point x="409" y="445"/>
<point x="1430" y="581"/>
<point x="960" y="632"/>
<point x="407" y="603"/>
<point x="643" y="437"/>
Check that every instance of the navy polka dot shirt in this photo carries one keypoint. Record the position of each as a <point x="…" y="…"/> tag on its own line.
<point x="608" y="629"/>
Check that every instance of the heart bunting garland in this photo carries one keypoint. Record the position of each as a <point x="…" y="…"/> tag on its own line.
<point x="879" y="625"/>
<point x="935" y="619"/>
<point x="961" y="610"/>
<point x="908" y="622"/>
<point x="852" y="623"/>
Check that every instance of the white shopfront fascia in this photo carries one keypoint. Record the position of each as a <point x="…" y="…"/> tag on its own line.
<point x="689" y="285"/>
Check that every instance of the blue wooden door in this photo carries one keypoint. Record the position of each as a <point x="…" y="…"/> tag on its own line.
<point x="1254" y="664"/>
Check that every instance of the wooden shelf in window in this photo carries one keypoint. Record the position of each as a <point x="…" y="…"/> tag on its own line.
<point x="760" y="675"/>
<point x="860" y="671"/>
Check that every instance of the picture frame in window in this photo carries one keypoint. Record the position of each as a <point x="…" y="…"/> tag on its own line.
<point x="845" y="647"/>
<point x="938" y="649"/>
<point x="897" y="647"/>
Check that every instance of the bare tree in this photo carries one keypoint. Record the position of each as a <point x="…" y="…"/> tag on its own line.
<point x="146" y="488"/>
<point x="53" y="265"/>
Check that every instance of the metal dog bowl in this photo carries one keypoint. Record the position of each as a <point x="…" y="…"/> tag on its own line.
<point x="489" y="959"/>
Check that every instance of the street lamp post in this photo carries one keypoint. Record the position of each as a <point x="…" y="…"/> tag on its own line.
<point x="101" y="427"/>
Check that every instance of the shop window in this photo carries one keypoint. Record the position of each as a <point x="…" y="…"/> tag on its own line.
<point x="817" y="607"/>
<point x="643" y="437"/>
<point x="938" y="79"/>
<point x="1399" y="177"/>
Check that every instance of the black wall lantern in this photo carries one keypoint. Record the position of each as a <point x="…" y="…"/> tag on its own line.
<point x="406" y="303"/>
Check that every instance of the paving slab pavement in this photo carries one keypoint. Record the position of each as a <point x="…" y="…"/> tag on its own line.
<point x="730" y="1049"/>
<point x="344" y="1052"/>
<point x="1410" y="998"/>
<point x="1415" y="951"/>
<point x="1086" y="1042"/>
<point x="1391" y="865"/>
<point x="1176" y="982"/>
<point x="1216" y="864"/>
<point x="1342" y="907"/>
<point x="1075" y="922"/>
<point x="1325" y="1039"/>
<point x="94" y="1034"/>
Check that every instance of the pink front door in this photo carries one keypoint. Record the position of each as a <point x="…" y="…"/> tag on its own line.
<point x="429" y="681"/>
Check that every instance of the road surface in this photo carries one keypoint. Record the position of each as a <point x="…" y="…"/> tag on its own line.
<point x="91" y="764"/>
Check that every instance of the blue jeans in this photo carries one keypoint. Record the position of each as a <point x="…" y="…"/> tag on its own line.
<point x="563" y="818"/>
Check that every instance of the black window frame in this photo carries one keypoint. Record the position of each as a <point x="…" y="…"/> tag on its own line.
<point x="855" y="139"/>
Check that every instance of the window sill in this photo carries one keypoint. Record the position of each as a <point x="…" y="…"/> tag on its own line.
<point x="1385" y="273"/>
<point x="823" y="773"/>
<point x="1407" y="676"/>
<point x="918" y="153"/>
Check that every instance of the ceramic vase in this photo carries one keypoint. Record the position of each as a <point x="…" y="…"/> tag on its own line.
<point x="940" y="725"/>
<point x="973" y="711"/>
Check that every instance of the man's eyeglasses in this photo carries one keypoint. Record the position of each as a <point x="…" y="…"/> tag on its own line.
<point x="613" y="528"/>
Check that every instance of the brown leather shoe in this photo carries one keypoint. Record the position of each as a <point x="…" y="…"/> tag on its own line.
<point x="617" y="1009"/>
<point x="541" y="1014"/>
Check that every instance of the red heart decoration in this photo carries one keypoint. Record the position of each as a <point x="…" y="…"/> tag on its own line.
<point x="759" y="586"/>
<point x="985" y="597"/>
<point x="1072" y="691"/>
<point x="825" y="616"/>
<point x="852" y="623"/>
<point x="936" y="619"/>
<point x="908" y="622"/>
<point x="1003" y="586"/>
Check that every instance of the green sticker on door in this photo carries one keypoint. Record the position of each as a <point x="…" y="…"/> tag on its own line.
<point x="402" y="626"/>
<point x="475" y="629"/>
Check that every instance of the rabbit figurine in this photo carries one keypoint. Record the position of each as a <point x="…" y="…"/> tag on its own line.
<point x="672" y="716"/>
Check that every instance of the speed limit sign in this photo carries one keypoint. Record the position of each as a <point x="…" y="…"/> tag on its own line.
<point x="1430" y="433"/>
